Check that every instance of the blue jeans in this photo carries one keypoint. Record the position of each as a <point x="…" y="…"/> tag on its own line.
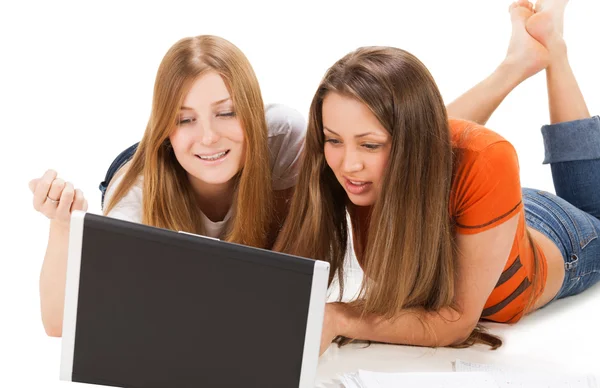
<point x="571" y="218"/>
<point x="119" y="161"/>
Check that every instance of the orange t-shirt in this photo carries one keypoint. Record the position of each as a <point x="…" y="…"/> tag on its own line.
<point x="486" y="192"/>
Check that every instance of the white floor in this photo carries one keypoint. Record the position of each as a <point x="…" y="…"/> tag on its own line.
<point x="562" y="337"/>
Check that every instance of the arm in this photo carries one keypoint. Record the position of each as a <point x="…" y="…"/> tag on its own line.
<point x="479" y="102"/>
<point x="481" y="260"/>
<point x="53" y="279"/>
<point x="53" y="274"/>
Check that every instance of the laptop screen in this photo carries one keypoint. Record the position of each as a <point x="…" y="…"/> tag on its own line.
<point x="158" y="308"/>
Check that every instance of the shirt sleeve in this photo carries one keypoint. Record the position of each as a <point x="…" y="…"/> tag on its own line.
<point x="129" y="208"/>
<point x="488" y="189"/>
<point x="287" y="130"/>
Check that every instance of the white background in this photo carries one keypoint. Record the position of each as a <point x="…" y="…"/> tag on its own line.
<point x="75" y="89"/>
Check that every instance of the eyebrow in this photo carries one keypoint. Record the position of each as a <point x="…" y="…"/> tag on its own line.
<point x="213" y="104"/>
<point x="356" y="136"/>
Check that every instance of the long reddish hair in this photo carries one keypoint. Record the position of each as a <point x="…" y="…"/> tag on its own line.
<point x="168" y="199"/>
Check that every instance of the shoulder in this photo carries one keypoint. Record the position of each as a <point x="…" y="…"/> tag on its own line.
<point x="476" y="144"/>
<point x="287" y="130"/>
<point x="468" y="135"/>
<point x="129" y="207"/>
<point x="284" y="120"/>
<point x="486" y="187"/>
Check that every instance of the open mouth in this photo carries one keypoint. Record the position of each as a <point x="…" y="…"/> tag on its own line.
<point x="357" y="183"/>
<point x="357" y="187"/>
<point x="213" y="157"/>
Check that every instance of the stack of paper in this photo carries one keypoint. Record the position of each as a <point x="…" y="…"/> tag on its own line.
<point x="467" y="375"/>
<point x="365" y="379"/>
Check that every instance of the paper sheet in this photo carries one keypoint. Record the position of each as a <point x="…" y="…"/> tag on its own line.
<point x="510" y="378"/>
<point x="467" y="375"/>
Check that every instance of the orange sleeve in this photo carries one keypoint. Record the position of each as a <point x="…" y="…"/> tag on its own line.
<point x="488" y="192"/>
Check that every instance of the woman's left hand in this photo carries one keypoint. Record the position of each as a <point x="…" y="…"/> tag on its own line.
<point x="331" y="324"/>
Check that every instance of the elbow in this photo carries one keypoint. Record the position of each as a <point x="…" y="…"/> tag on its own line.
<point x="462" y="332"/>
<point x="53" y="331"/>
<point x="458" y="328"/>
<point x="52" y="327"/>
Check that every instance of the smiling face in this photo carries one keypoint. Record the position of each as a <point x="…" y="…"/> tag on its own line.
<point x="357" y="147"/>
<point x="208" y="141"/>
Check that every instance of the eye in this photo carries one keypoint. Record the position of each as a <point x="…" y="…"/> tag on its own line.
<point x="333" y="141"/>
<point x="226" y="114"/>
<point x="370" y="146"/>
<point x="185" y="121"/>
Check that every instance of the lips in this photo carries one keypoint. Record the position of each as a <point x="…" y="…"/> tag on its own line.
<point x="213" y="156"/>
<point x="356" y="187"/>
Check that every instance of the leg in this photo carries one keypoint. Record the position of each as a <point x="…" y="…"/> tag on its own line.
<point x="572" y="141"/>
<point x="119" y="161"/>
<point x="525" y="57"/>
<point x="564" y="97"/>
<point x="573" y="151"/>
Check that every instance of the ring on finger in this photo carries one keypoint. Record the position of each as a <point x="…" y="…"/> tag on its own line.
<point x="52" y="200"/>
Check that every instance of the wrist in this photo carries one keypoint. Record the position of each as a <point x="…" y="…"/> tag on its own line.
<point x="59" y="227"/>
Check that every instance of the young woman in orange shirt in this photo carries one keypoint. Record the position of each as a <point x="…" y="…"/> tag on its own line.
<point x="444" y="232"/>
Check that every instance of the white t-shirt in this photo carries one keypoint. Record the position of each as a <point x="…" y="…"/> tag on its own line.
<point x="287" y="129"/>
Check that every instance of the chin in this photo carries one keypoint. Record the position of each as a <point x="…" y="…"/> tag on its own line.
<point x="217" y="180"/>
<point x="361" y="200"/>
<point x="215" y="177"/>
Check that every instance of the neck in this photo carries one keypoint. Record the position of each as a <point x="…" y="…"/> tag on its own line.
<point x="214" y="199"/>
<point x="359" y="212"/>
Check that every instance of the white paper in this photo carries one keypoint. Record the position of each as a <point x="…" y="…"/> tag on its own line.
<point x="429" y="380"/>
<point x="512" y="378"/>
<point x="467" y="375"/>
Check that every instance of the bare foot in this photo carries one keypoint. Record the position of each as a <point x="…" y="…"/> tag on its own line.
<point x="546" y="25"/>
<point x="523" y="50"/>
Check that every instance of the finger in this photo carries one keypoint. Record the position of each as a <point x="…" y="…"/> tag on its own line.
<point x="33" y="184"/>
<point x="78" y="201"/>
<point x="41" y="190"/>
<point x="56" y="189"/>
<point x="85" y="205"/>
<point x="66" y="200"/>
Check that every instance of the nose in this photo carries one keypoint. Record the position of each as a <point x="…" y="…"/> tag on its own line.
<point x="352" y="161"/>
<point x="208" y="134"/>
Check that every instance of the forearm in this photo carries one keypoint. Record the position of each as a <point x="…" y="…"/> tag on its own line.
<point x="412" y="327"/>
<point x="52" y="279"/>
<point x="479" y="102"/>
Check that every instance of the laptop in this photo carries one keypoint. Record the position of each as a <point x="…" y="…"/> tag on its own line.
<point x="147" y="307"/>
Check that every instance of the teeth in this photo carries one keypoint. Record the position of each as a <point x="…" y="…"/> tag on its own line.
<point x="357" y="183"/>
<point x="213" y="157"/>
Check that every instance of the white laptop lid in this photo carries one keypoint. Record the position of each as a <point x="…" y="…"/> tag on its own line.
<point x="148" y="307"/>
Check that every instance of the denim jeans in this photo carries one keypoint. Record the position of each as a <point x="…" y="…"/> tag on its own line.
<point x="119" y="161"/>
<point x="571" y="218"/>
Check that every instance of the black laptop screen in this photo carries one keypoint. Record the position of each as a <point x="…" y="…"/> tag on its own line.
<point x="163" y="309"/>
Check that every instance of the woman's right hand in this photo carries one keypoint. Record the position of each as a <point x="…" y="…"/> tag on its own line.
<point x="55" y="198"/>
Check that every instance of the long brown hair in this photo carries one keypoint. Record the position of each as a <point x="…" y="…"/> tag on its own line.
<point x="409" y="259"/>
<point x="168" y="199"/>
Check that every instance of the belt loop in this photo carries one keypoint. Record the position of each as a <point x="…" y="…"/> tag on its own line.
<point x="573" y="263"/>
